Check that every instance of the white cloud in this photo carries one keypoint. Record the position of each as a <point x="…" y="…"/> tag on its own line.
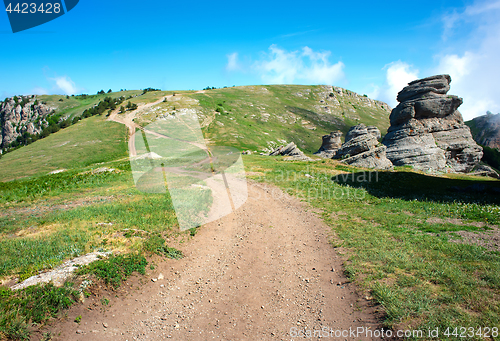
<point x="232" y="62"/>
<point x="481" y="7"/>
<point x="65" y="84"/>
<point x="398" y="75"/>
<point x="475" y="70"/>
<point x="279" y="66"/>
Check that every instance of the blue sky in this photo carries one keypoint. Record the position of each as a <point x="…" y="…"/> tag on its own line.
<point x="373" y="48"/>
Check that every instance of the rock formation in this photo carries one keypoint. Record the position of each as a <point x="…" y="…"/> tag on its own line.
<point x="359" y="139"/>
<point x="331" y="143"/>
<point x="361" y="148"/>
<point x="292" y="151"/>
<point x="19" y="115"/>
<point x="428" y="132"/>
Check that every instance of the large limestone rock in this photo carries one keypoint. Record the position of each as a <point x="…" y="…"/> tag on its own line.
<point x="331" y="143"/>
<point x="292" y="151"/>
<point x="428" y="132"/>
<point x="361" y="148"/>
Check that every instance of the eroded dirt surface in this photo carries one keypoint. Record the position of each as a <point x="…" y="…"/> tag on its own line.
<point x="488" y="236"/>
<point x="252" y="275"/>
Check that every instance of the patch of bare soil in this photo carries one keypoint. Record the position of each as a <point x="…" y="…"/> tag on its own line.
<point x="489" y="239"/>
<point x="43" y="207"/>
<point x="252" y="275"/>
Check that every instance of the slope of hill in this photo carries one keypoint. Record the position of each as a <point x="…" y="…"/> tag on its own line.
<point x="88" y="142"/>
<point x="24" y="118"/>
<point x="486" y="130"/>
<point x="261" y="117"/>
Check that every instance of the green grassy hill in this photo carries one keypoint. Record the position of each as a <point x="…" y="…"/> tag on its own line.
<point x="260" y="117"/>
<point x="88" y="142"/>
<point x="72" y="106"/>
<point x="247" y="117"/>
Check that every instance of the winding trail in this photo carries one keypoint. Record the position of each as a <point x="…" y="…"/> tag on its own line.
<point x="128" y="120"/>
<point x="254" y="274"/>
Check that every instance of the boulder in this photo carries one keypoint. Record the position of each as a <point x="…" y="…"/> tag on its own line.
<point x="428" y="132"/>
<point x="485" y="170"/>
<point x="331" y="143"/>
<point x="375" y="158"/>
<point x="16" y="119"/>
<point x="361" y="148"/>
<point x="357" y="141"/>
<point x="292" y="151"/>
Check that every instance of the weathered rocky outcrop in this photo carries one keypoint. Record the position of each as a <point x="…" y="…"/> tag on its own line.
<point x="362" y="149"/>
<point x="331" y="143"/>
<point x="486" y="130"/>
<point x="292" y="151"/>
<point x="485" y="170"/>
<point x="19" y="115"/>
<point x="359" y="139"/>
<point x="428" y="132"/>
<point x="374" y="158"/>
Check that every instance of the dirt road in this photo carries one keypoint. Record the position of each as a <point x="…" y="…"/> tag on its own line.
<point x="128" y="119"/>
<point x="255" y="274"/>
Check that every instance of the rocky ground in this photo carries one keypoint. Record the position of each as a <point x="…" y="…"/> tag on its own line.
<point x="252" y="275"/>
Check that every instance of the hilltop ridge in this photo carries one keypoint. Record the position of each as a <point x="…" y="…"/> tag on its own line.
<point x="246" y="117"/>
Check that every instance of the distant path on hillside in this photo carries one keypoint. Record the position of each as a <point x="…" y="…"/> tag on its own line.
<point x="128" y="119"/>
<point x="263" y="272"/>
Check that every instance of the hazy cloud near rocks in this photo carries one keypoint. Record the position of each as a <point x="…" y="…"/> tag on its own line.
<point x="39" y="91"/>
<point x="475" y="71"/>
<point x="398" y="75"/>
<point x="279" y="66"/>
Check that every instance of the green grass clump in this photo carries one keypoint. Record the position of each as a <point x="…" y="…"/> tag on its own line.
<point x="115" y="269"/>
<point x="33" y="305"/>
<point x="156" y="244"/>
<point x="27" y="255"/>
<point x="153" y="244"/>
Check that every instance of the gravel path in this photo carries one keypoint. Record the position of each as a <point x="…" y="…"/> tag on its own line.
<point x="252" y="275"/>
